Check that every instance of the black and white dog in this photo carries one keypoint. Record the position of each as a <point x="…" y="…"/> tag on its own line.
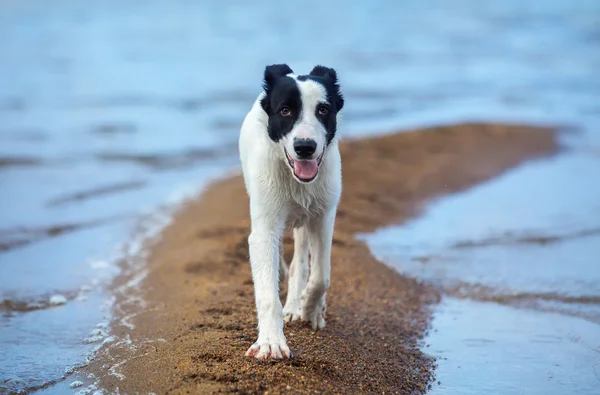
<point x="293" y="174"/>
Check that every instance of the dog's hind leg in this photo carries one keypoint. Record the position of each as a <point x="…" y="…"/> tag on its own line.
<point x="283" y="269"/>
<point x="313" y="298"/>
<point x="298" y="275"/>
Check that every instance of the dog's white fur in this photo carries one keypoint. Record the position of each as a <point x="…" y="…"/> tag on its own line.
<point x="277" y="199"/>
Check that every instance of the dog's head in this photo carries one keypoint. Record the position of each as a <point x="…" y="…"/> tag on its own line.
<point x="302" y="112"/>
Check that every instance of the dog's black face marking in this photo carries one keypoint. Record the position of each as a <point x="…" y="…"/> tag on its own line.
<point x="328" y="78"/>
<point x="284" y="107"/>
<point x="282" y="101"/>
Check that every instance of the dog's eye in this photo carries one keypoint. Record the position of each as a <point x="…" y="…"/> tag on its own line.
<point x="285" y="111"/>
<point x="323" y="110"/>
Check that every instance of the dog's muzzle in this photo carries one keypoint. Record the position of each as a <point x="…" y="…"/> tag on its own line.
<point x="305" y="170"/>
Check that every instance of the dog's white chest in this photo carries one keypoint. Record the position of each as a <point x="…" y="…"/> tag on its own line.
<point x="305" y="202"/>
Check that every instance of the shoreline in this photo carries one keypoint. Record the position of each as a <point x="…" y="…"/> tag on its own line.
<point x="198" y="318"/>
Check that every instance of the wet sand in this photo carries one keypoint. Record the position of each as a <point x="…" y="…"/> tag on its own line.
<point x="199" y="316"/>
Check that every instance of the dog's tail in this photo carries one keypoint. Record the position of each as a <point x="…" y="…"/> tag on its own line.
<point x="283" y="268"/>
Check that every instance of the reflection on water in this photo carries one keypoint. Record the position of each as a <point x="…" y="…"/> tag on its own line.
<point x="106" y="107"/>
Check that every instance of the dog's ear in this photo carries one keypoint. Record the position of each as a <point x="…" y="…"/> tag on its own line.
<point x="325" y="72"/>
<point x="273" y="72"/>
<point x="331" y="77"/>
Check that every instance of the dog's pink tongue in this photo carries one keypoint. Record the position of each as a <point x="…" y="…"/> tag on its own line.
<point x="305" y="169"/>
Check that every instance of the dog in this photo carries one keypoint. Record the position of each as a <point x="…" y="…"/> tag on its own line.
<point x="292" y="171"/>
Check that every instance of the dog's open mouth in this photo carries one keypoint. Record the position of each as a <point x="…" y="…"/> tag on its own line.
<point x="304" y="170"/>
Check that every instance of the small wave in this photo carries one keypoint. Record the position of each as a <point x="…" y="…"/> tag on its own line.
<point x="526" y="239"/>
<point x="542" y="301"/>
<point x="21" y="236"/>
<point x="485" y="293"/>
<point x="20" y="161"/>
<point x="43" y="302"/>
<point x="168" y="161"/>
<point x="100" y="191"/>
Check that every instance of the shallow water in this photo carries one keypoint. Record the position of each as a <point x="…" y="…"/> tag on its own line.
<point x="107" y="109"/>
<point x="518" y="260"/>
<point x="488" y="348"/>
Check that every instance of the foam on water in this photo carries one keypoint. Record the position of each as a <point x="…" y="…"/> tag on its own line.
<point x="107" y="106"/>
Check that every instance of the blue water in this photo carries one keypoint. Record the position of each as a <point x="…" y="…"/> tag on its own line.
<point x="518" y="260"/>
<point x="109" y="109"/>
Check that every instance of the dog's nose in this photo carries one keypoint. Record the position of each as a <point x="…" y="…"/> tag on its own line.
<point x="305" y="147"/>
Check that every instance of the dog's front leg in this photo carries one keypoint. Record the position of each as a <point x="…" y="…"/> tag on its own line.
<point x="267" y="230"/>
<point x="313" y="299"/>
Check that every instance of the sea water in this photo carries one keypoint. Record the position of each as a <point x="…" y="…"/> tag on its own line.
<point x="110" y="110"/>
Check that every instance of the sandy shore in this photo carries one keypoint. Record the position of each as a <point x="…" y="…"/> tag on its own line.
<point x="200" y="294"/>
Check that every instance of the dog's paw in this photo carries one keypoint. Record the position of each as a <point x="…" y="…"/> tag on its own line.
<point x="315" y="315"/>
<point x="292" y="313"/>
<point x="265" y="350"/>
